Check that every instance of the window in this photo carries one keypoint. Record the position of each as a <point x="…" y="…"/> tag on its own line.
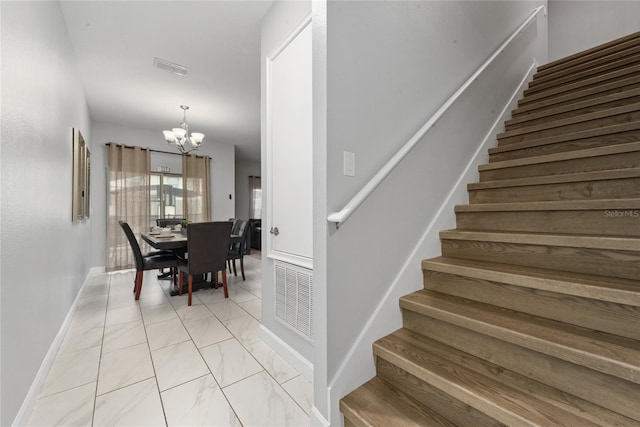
<point x="166" y="198"/>
<point x="255" y="195"/>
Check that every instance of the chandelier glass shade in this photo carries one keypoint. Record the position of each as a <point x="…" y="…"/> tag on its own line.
<point x="180" y="136"/>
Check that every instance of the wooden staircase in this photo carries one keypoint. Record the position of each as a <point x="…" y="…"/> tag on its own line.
<point x="531" y="316"/>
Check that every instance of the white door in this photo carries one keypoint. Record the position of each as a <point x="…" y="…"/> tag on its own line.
<point x="289" y="124"/>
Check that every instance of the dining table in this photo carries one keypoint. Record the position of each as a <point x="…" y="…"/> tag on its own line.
<point x="177" y="241"/>
<point x="174" y="240"/>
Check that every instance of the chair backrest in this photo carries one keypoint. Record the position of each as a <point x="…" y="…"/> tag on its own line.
<point x="207" y="246"/>
<point x="135" y="247"/>
<point x="241" y="229"/>
<point x="167" y="222"/>
<point x="235" y="225"/>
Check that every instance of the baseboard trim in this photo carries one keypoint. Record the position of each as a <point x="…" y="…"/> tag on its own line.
<point x="317" y="420"/>
<point x="21" y="418"/>
<point x="96" y="270"/>
<point x="295" y="359"/>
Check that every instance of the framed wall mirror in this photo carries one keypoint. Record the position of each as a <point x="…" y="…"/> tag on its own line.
<point x="81" y="173"/>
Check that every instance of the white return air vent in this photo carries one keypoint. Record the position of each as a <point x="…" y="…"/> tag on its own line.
<point x="294" y="297"/>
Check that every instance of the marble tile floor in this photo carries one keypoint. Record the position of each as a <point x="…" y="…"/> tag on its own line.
<point x="156" y="361"/>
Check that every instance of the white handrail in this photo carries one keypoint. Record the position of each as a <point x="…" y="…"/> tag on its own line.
<point x="356" y="201"/>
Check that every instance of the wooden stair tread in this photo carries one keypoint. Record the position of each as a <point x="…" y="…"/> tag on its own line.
<point x="578" y="105"/>
<point x="570" y="155"/>
<point x="505" y="403"/>
<point x="591" y="81"/>
<point x="579" y="95"/>
<point x="447" y="349"/>
<point x="557" y="179"/>
<point x="529" y="316"/>
<point x="547" y="239"/>
<point x="571" y="136"/>
<point x="571" y="205"/>
<point x="584" y="118"/>
<point x="574" y="136"/>
<point x="582" y="71"/>
<point x="609" y="289"/>
<point x="376" y="403"/>
<point x="602" y="352"/>
<point x="587" y="54"/>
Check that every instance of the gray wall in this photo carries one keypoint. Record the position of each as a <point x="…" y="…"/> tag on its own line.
<point x="222" y="175"/>
<point x="44" y="257"/>
<point x="578" y="25"/>
<point x="389" y="66"/>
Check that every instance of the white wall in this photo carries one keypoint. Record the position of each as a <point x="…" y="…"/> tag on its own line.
<point x="45" y="257"/>
<point x="244" y="169"/>
<point x="222" y="175"/>
<point x="389" y="66"/>
<point x="579" y="25"/>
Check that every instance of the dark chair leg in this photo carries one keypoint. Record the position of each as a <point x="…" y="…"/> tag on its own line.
<point x="242" y="266"/>
<point x="139" y="275"/>
<point x="235" y="272"/>
<point x="180" y="281"/>
<point x="190" y="284"/>
<point x="224" y="283"/>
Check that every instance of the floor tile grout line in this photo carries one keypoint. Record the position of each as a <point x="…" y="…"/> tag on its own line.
<point x="153" y="366"/>
<point x="268" y="373"/>
<point x="104" y="327"/>
<point x="205" y="361"/>
<point x="101" y="354"/>
<point x="233" y="337"/>
<point x="121" y="281"/>
<point x="274" y="379"/>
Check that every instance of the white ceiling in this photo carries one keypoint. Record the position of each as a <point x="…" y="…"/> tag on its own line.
<point x="115" y="44"/>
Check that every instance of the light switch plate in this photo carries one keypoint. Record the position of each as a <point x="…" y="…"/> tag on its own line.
<point x="349" y="162"/>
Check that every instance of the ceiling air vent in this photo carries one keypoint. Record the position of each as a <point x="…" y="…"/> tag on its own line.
<point x="172" y="67"/>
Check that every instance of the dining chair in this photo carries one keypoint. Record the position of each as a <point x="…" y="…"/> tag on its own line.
<point x="207" y="246"/>
<point x="149" y="261"/>
<point x="238" y="249"/>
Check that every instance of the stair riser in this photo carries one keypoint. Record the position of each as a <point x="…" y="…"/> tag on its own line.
<point x="497" y="337"/>
<point x="614" y="222"/>
<point x="377" y="403"/>
<point x="616" y="291"/>
<point x="585" y="190"/>
<point x="601" y="262"/>
<point x="591" y="83"/>
<point x="580" y="96"/>
<point x="477" y="389"/>
<point x="610" y="392"/>
<point x="517" y="152"/>
<point x="585" y="71"/>
<point x="590" y="56"/>
<point x="598" y="315"/>
<point x="545" y="118"/>
<point x="588" y="164"/>
<point x="568" y="129"/>
<point x="455" y="410"/>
